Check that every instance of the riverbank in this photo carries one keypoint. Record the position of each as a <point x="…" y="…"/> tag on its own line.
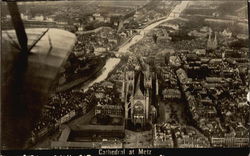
<point x="109" y="66"/>
<point x="83" y="79"/>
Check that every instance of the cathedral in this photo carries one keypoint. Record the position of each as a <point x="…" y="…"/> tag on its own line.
<point x="137" y="92"/>
<point x="212" y="44"/>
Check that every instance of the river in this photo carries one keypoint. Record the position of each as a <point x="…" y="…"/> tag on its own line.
<point x="109" y="66"/>
<point x="111" y="63"/>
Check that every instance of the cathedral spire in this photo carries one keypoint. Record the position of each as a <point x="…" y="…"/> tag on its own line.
<point x="157" y="85"/>
<point x="209" y="39"/>
<point x="138" y="92"/>
<point x="215" y="40"/>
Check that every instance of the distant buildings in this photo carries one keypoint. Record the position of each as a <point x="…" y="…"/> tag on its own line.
<point x="38" y="18"/>
<point x="111" y="110"/>
<point x="230" y="140"/>
<point x="226" y="33"/>
<point x="200" y="52"/>
<point x="242" y="36"/>
<point x="187" y="141"/>
<point x="137" y="14"/>
<point x="242" y="12"/>
<point x="205" y="109"/>
<point x="196" y="33"/>
<point x="62" y="22"/>
<point x="52" y="121"/>
<point x="173" y="26"/>
<point x="50" y="19"/>
<point x="89" y="136"/>
<point x="175" y="136"/>
<point x="169" y="94"/>
<point x="221" y="21"/>
<point x="162" y="139"/>
<point x="98" y="17"/>
<point x="24" y="17"/>
<point x="99" y="50"/>
<point x="162" y="58"/>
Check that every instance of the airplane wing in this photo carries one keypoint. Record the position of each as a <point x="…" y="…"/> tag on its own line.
<point x="25" y="85"/>
<point x="46" y="57"/>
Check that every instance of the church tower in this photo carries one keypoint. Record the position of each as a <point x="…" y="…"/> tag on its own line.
<point x="147" y="105"/>
<point x="212" y="45"/>
<point x="123" y="91"/>
<point x="128" y="86"/>
<point x="130" y="77"/>
<point x="156" y="85"/>
<point x="209" y="42"/>
<point x="147" y="78"/>
<point x="215" y="43"/>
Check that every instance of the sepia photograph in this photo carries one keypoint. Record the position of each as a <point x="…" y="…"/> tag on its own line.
<point x="115" y="75"/>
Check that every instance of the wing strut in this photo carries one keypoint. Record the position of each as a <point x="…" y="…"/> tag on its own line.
<point x="18" y="26"/>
